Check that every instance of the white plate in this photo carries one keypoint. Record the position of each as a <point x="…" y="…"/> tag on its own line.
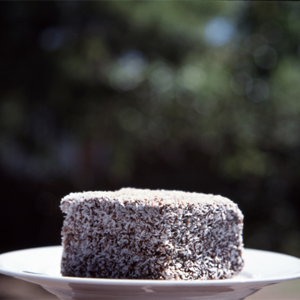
<point x="42" y="266"/>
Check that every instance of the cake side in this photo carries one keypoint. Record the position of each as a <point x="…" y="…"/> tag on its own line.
<point x="152" y="235"/>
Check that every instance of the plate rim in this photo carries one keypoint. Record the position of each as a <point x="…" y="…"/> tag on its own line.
<point x="141" y="282"/>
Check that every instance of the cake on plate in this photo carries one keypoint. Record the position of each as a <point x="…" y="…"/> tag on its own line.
<point x="151" y="234"/>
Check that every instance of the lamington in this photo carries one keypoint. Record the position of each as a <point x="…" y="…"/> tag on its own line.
<point x="151" y="234"/>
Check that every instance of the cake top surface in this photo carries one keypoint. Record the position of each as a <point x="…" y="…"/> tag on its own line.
<point x="160" y="197"/>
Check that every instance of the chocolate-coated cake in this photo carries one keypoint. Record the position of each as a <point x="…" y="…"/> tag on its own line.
<point x="151" y="234"/>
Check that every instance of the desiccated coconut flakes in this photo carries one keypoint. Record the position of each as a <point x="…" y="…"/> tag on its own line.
<point x="151" y="234"/>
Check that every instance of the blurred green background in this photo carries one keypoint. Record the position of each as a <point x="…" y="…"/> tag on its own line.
<point x="186" y="95"/>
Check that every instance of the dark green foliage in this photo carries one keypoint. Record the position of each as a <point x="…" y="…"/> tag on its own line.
<point x="184" y="95"/>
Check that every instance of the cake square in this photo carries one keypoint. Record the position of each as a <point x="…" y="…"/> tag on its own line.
<point x="151" y="234"/>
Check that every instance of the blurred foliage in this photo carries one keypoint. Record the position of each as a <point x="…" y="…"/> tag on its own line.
<point x="183" y="95"/>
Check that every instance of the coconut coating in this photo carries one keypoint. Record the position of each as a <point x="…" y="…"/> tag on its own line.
<point x="151" y="234"/>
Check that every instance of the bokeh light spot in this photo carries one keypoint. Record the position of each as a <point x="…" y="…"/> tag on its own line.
<point x="265" y="57"/>
<point x="191" y="78"/>
<point x="162" y="78"/>
<point x="257" y="90"/>
<point x="239" y="81"/>
<point x="218" y="31"/>
<point x="128" y="72"/>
